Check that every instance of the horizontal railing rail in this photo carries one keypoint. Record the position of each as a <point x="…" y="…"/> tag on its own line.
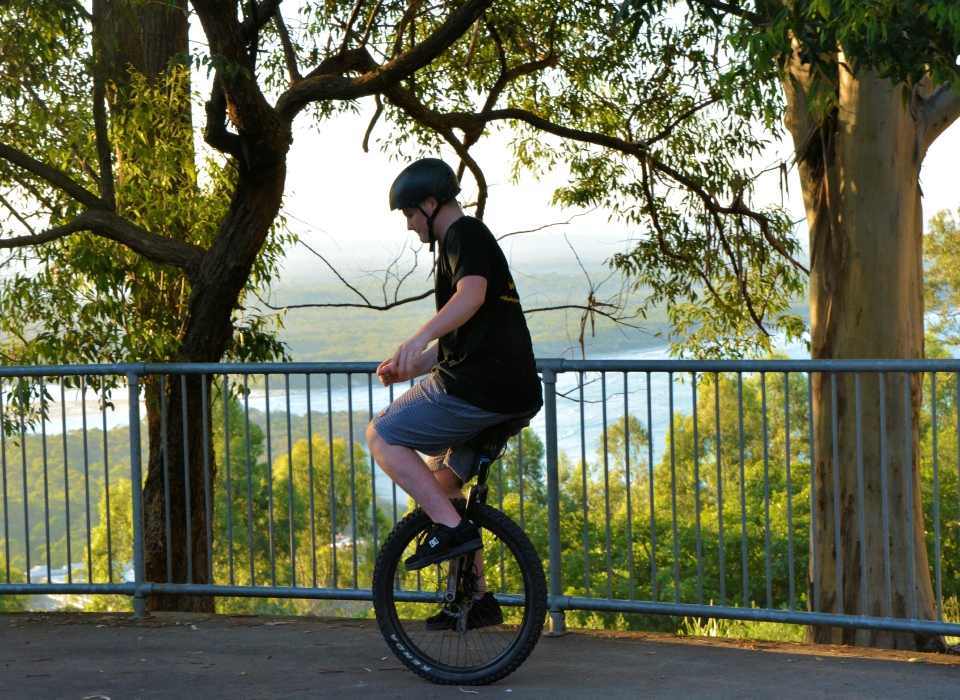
<point x="687" y="488"/>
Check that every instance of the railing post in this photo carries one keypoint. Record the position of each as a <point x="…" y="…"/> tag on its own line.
<point x="557" y="622"/>
<point x="136" y="479"/>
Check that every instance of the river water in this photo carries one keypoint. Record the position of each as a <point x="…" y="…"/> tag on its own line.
<point x="365" y="398"/>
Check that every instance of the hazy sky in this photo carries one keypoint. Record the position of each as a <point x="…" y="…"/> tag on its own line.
<point x="340" y="193"/>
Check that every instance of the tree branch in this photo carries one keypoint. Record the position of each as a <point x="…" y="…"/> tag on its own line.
<point x="53" y="176"/>
<point x="348" y="28"/>
<point x="940" y="109"/>
<point x="263" y="12"/>
<point x="104" y="151"/>
<point x="289" y="54"/>
<point x="373" y="123"/>
<point x="215" y="132"/>
<point x="381" y="77"/>
<point x="729" y="9"/>
<point x="540" y="228"/>
<point x="347" y="305"/>
<point x="158" y="249"/>
<point x="16" y="214"/>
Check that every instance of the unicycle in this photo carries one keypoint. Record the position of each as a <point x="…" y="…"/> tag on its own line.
<point x="429" y="617"/>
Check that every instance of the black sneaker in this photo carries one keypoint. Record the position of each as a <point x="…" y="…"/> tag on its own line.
<point x="441" y="542"/>
<point x="484" y="612"/>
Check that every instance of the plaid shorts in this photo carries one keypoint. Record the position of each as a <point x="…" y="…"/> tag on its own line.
<point x="436" y="424"/>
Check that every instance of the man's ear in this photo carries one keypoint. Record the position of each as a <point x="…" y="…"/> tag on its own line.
<point x="429" y="205"/>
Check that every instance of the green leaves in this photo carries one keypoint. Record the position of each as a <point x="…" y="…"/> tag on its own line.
<point x="86" y="299"/>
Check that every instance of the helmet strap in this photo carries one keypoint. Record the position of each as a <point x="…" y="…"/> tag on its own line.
<point x="430" y="217"/>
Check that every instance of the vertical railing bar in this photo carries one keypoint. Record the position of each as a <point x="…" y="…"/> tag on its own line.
<point x="225" y="393"/>
<point x="311" y="486"/>
<point x="766" y="488"/>
<point x="186" y="475"/>
<point x="956" y="379"/>
<point x="861" y="514"/>
<point x="716" y="413"/>
<point x="86" y="475"/>
<point x="583" y="469"/>
<point x="626" y="472"/>
<point x="786" y="422"/>
<point x="333" y="499"/>
<point x="393" y="483"/>
<point x="883" y="489"/>
<point x="26" y="496"/>
<point x="696" y="489"/>
<point x="136" y="492"/>
<point x="269" y="477"/>
<point x="838" y="553"/>
<point x="246" y="417"/>
<point x="373" y="469"/>
<point x="6" y="502"/>
<point x="66" y="476"/>
<point x="653" y="524"/>
<point x="290" y="514"/>
<point x="743" y="495"/>
<point x="606" y="484"/>
<point x="207" y="503"/>
<point x="557" y="622"/>
<point x="813" y="498"/>
<point x="106" y="477"/>
<point x="908" y="474"/>
<point x="673" y="496"/>
<point x="353" y="477"/>
<point x="46" y="480"/>
<point x="520" y="475"/>
<point x="936" y="495"/>
<point x="417" y="505"/>
<point x="503" y="581"/>
<point x="166" y="476"/>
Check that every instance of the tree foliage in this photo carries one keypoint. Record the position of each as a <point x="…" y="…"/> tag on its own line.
<point x="659" y="130"/>
<point x="941" y="250"/>
<point x="87" y="299"/>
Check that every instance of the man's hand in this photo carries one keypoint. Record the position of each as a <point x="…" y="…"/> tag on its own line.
<point x="389" y="370"/>
<point x="386" y="372"/>
<point x="406" y="360"/>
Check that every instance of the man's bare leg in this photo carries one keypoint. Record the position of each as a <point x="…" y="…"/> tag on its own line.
<point x="411" y="473"/>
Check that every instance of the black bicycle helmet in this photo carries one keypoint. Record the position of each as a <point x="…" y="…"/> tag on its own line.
<point x="428" y="177"/>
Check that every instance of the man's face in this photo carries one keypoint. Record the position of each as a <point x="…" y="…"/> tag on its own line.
<point x="416" y="221"/>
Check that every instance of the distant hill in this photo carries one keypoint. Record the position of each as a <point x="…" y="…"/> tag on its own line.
<point x="362" y="334"/>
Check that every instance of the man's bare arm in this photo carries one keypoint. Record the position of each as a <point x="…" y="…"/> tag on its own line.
<point x="411" y="358"/>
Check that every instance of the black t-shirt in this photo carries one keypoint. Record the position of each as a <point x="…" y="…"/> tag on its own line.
<point x="488" y="362"/>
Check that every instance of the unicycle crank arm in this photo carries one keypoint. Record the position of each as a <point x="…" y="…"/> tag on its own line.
<point x="453" y="576"/>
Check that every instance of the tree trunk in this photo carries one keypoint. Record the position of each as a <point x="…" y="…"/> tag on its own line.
<point x="215" y="290"/>
<point x="141" y="36"/>
<point x="146" y="38"/>
<point x="170" y="516"/>
<point x="859" y="170"/>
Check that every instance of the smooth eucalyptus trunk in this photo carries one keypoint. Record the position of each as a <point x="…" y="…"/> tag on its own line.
<point x="859" y="170"/>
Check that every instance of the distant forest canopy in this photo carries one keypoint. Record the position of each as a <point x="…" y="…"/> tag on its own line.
<point x="350" y="334"/>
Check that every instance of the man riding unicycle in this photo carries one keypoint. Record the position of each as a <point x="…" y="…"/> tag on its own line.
<point x="481" y="374"/>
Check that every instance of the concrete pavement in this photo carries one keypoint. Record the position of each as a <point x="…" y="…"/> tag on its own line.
<point x="87" y="656"/>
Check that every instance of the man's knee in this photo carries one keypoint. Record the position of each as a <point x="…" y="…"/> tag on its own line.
<point x="374" y="441"/>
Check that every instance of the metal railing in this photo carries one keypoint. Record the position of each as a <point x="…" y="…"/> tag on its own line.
<point x="679" y="488"/>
